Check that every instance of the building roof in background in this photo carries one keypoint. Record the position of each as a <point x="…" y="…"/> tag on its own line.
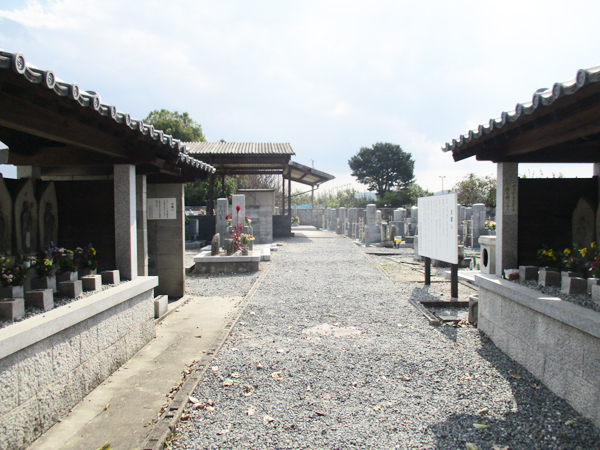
<point x="559" y="124"/>
<point x="306" y="175"/>
<point x="239" y="148"/>
<point x="34" y="101"/>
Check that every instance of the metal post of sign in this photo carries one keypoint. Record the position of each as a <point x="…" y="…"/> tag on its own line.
<point x="454" y="281"/>
<point x="427" y="271"/>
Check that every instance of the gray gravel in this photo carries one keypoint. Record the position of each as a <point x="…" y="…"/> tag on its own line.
<point x="329" y="354"/>
<point x="584" y="300"/>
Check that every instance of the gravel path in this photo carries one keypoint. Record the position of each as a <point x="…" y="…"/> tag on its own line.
<point x="329" y="354"/>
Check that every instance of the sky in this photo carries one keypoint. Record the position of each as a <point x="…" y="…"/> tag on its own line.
<point x="329" y="77"/>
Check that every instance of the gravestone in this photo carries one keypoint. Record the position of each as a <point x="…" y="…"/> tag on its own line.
<point x="584" y="222"/>
<point x="373" y="229"/>
<point x="215" y="244"/>
<point x="238" y="218"/>
<point x="6" y="218"/>
<point x="379" y="217"/>
<point x="26" y="218"/>
<point x="342" y="225"/>
<point x="479" y="216"/>
<point x="414" y="220"/>
<point x="399" y="215"/>
<point x="220" y="221"/>
<point x="47" y="216"/>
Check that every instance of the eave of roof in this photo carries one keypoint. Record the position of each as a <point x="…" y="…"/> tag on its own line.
<point x="87" y="99"/>
<point x="585" y="83"/>
<point x="300" y="173"/>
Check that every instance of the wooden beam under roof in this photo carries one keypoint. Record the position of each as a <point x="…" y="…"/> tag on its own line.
<point x="19" y="115"/>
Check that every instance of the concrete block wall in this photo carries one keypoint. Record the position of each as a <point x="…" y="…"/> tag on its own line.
<point x="50" y="372"/>
<point x="557" y="341"/>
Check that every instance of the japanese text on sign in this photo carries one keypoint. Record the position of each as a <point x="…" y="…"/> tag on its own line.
<point x="438" y="228"/>
<point x="162" y="208"/>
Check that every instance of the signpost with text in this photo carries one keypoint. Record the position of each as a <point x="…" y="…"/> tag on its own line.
<point x="438" y="234"/>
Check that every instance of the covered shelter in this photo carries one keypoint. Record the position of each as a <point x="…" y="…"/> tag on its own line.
<point x="555" y="339"/>
<point x="88" y="174"/>
<point x="559" y="125"/>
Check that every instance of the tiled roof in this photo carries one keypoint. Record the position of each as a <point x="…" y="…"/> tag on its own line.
<point x="542" y="98"/>
<point x="89" y="99"/>
<point x="238" y="148"/>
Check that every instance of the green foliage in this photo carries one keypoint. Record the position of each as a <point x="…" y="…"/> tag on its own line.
<point x="476" y="189"/>
<point x="180" y="126"/>
<point x="196" y="194"/>
<point x="403" y="198"/>
<point x="383" y="167"/>
<point x="335" y="198"/>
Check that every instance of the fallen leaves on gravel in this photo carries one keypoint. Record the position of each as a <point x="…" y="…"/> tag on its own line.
<point x="228" y="382"/>
<point x="249" y="391"/>
<point x="516" y="376"/>
<point x="235" y="375"/>
<point x="193" y="399"/>
<point x="259" y="367"/>
<point x="404" y="378"/>
<point x="106" y="446"/>
<point x="483" y="411"/>
<point x="267" y="419"/>
<point x="470" y="446"/>
<point x="277" y="375"/>
<point x="481" y="425"/>
<point x="250" y="410"/>
<point x="497" y="447"/>
<point x="210" y="408"/>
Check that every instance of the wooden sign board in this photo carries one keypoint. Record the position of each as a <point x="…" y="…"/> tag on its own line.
<point x="438" y="228"/>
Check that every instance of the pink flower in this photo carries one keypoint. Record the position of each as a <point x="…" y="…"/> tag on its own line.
<point x="238" y="208"/>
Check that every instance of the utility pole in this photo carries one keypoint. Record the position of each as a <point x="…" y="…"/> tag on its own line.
<point x="442" y="177"/>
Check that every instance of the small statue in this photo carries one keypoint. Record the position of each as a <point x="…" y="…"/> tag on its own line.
<point x="215" y="244"/>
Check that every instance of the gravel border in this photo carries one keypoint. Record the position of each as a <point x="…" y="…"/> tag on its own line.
<point x="584" y="300"/>
<point x="330" y="354"/>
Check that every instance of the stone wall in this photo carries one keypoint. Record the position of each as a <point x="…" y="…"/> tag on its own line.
<point x="557" y="341"/>
<point x="262" y="223"/>
<point x="50" y="362"/>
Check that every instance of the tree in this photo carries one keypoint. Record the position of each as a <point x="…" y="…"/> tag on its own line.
<point x="475" y="189"/>
<point x="403" y="198"/>
<point x="383" y="167"/>
<point x="180" y="126"/>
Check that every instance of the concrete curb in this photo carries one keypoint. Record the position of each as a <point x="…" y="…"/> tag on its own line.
<point x="168" y="421"/>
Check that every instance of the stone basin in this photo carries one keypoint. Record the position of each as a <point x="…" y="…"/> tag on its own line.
<point x="204" y="262"/>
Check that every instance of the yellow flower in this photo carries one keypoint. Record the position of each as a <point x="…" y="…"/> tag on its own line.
<point x="593" y="245"/>
<point x="567" y="252"/>
<point x="69" y="251"/>
<point x="47" y="262"/>
<point x="583" y="252"/>
<point x="545" y="253"/>
<point x="8" y="260"/>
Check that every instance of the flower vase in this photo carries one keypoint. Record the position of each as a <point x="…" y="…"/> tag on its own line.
<point x="67" y="276"/>
<point x="44" y="283"/>
<point x="86" y="272"/>
<point x="11" y="292"/>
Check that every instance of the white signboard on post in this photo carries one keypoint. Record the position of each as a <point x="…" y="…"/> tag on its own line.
<point x="438" y="228"/>
<point x="161" y="208"/>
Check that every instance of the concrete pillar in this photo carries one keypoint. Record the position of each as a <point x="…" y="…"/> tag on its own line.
<point x="125" y="221"/>
<point x="166" y="243"/>
<point x="220" y="222"/>
<point x="507" y="217"/>
<point x="238" y="199"/>
<point x="142" y="225"/>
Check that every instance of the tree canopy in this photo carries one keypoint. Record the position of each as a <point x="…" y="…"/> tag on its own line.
<point x="180" y="126"/>
<point x="403" y="198"/>
<point x="476" y="189"/>
<point x="383" y="167"/>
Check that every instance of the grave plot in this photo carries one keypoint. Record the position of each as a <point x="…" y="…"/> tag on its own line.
<point x="434" y="300"/>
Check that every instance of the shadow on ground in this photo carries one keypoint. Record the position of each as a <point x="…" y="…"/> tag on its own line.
<point x="537" y="419"/>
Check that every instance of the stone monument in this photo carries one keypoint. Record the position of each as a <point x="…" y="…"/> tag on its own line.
<point x="6" y="218"/>
<point x="47" y="216"/>
<point x="26" y="218"/>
